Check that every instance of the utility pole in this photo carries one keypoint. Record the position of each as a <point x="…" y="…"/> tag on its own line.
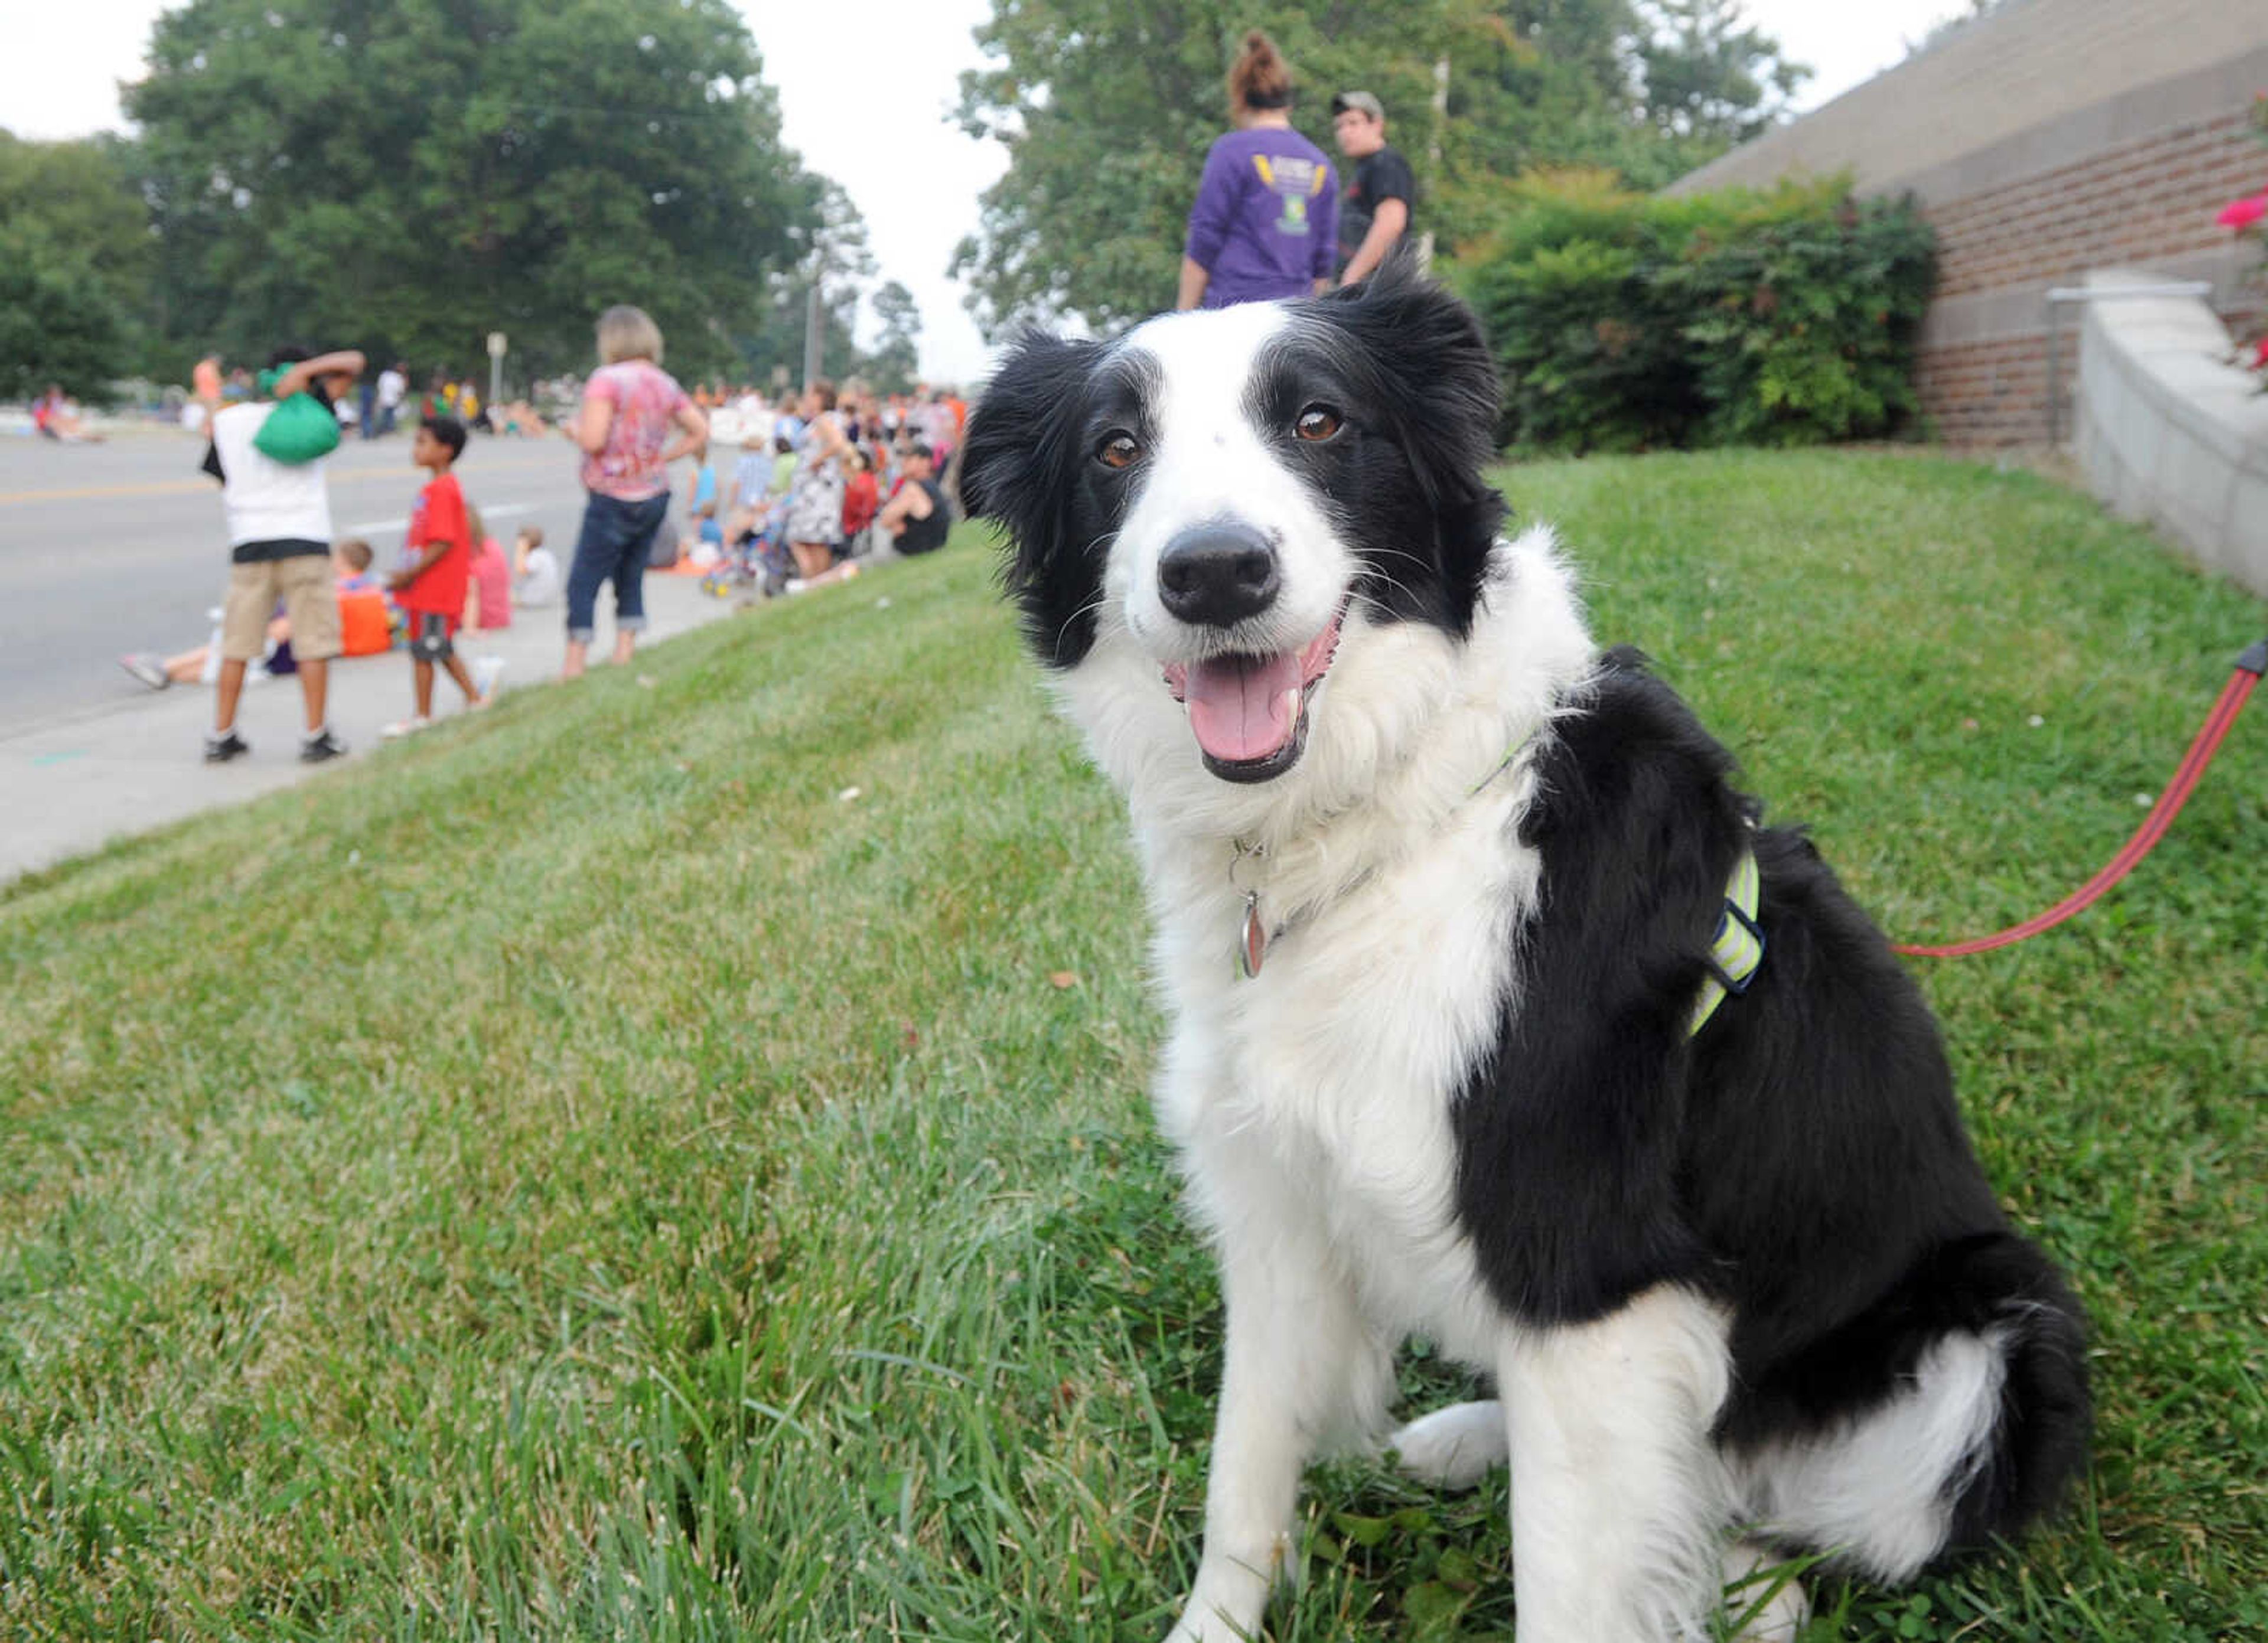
<point x="1433" y="151"/>
<point x="814" y="328"/>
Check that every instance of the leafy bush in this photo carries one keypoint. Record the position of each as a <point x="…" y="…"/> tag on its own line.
<point x="1624" y="322"/>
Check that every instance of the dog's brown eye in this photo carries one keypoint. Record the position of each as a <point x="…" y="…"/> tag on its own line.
<point x="1118" y="450"/>
<point x="1317" y="421"/>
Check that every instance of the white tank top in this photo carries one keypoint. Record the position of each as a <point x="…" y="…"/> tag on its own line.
<point x="267" y="500"/>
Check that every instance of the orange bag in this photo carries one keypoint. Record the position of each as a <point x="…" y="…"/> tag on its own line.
<point x="364" y="628"/>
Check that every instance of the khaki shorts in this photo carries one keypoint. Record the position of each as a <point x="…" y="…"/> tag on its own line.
<point x="311" y="603"/>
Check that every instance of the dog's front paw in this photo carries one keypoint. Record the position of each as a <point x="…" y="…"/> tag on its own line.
<point x="1208" y="1627"/>
<point x="1205" y="1623"/>
<point x="1228" y="1600"/>
<point x="1454" y="1447"/>
<point x="1762" y="1603"/>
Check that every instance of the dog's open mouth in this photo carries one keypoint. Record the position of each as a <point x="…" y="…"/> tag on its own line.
<point x="1249" y="713"/>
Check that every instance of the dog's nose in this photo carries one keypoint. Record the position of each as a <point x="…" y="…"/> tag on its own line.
<point x="1218" y="574"/>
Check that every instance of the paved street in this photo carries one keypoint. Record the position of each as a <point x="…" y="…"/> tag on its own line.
<point x="121" y="546"/>
<point x="106" y="549"/>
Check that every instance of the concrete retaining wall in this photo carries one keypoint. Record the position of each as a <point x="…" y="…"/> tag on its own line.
<point x="2173" y="433"/>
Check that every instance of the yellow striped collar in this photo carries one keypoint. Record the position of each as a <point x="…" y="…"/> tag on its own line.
<point x="1738" y="952"/>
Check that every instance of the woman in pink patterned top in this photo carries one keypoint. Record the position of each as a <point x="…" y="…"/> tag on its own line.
<point x="630" y="406"/>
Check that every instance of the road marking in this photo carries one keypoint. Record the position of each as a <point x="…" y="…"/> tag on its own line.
<point x="503" y="510"/>
<point x="182" y="487"/>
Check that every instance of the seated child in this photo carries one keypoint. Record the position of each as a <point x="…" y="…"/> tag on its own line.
<point x="488" y="592"/>
<point x="351" y="571"/>
<point x="702" y="511"/>
<point x="862" y="499"/>
<point x="534" y="570"/>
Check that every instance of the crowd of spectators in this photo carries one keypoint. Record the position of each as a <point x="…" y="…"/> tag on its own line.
<point x="823" y="486"/>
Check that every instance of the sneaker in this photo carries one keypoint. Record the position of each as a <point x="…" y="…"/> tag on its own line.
<point x="316" y="750"/>
<point x="147" y="668"/>
<point x="228" y="745"/>
<point x="401" y="727"/>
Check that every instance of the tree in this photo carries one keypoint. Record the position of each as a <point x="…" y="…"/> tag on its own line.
<point x="1708" y="79"/>
<point x="895" y="362"/>
<point x="411" y="176"/>
<point x="1945" y="28"/>
<point x="57" y="323"/>
<point x="1106" y="111"/>
<point x="75" y="258"/>
<point x="833" y="256"/>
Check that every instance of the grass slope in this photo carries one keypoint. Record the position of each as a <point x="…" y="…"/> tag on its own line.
<point x="581" y="1174"/>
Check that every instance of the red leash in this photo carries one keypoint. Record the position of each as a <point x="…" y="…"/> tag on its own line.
<point x="2250" y="666"/>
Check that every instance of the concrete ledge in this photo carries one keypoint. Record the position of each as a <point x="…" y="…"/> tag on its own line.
<point x="2171" y="430"/>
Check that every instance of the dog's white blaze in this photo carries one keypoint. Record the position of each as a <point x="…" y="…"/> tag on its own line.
<point x="1211" y="462"/>
<point x="1311" y="1104"/>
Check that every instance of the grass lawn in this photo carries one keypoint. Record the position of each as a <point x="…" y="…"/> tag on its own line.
<point x="586" y="1172"/>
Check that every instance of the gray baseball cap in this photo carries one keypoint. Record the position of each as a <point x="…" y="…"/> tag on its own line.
<point x="1361" y="100"/>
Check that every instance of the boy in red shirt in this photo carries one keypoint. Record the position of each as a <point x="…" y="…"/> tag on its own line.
<point x="431" y="591"/>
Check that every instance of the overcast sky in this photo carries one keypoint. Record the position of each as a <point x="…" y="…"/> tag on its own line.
<point x="865" y="100"/>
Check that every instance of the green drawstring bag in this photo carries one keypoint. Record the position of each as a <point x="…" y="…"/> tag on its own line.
<point x="300" y="429"/>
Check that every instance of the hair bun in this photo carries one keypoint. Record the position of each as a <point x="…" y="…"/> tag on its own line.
<point x="1259" y="79"/>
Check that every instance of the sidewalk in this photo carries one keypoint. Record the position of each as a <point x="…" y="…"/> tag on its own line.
<point x="72" y="783"/>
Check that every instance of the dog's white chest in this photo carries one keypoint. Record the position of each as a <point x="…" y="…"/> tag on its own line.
<point x="1334" y="1069"/>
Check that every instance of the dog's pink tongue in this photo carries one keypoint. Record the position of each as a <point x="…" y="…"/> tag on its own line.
<point x="1244" y="707"/>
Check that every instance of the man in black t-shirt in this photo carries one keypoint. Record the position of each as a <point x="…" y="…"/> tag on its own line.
<point x="918" y="516"/>
<point x="1380" y="189"/>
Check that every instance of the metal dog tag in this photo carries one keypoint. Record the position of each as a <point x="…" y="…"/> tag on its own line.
<point x="1255" y="948"/>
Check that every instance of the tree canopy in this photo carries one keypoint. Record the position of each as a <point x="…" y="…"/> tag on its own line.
<point x="75" y="258"/>
<point x="1107" y="110"/>
<point x="416" y="174"/>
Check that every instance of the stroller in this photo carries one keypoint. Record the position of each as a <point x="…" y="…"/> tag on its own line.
<point x="759" y="561"/>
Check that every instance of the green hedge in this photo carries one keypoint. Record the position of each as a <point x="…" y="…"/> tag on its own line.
<point x="1629" y="322"/>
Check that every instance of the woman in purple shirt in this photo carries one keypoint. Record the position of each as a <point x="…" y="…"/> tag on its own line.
<point x="1265" y="224"/>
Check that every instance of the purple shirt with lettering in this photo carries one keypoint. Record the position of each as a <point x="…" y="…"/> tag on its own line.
<point x="1265" y="224"/>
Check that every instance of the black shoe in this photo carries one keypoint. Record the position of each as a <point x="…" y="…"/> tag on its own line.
<point x="316" y="750"/>
<point x="221" y="749"/>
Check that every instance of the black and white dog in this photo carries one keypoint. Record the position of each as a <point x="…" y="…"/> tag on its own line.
<point x="1441" y="903"/>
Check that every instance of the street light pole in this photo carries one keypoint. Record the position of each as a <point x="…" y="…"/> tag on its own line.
<point x="815" y="330"/>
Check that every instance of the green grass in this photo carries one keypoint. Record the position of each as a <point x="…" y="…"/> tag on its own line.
<point x="579" y="1174"/>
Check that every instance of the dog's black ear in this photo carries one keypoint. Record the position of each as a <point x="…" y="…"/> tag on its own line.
<point x="1430" y="342"/>
<point x="1434" y="379"/>
<point x="1017" y="469"/>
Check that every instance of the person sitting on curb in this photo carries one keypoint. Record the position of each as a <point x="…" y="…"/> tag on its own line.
<point x="918" y="516"/>
<point x="351" y="571"/>
<point x="52" y="417"/>
<point x="535" y="579"/>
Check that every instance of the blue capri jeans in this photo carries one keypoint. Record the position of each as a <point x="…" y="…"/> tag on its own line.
<point x="617" y="537"/>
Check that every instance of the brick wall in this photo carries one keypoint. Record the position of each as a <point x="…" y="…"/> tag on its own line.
<point x="2148" y="203"/>
<point x="1992" y="392"/>
<point x="2138" y="202"/>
